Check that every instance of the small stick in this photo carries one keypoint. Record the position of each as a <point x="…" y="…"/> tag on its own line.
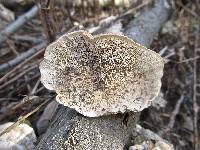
<point x="14" y="26"/>
<point x="175" y="112"/>
<point x="23" y="84"/>
<point x="195" y="104"/>
<point x="40" y="89"/>
<point x="173" y="116"/>
<point x="8" y="99"/>
<point x="27" y="85"/>
<point x="23" y="118"/>
<point x="12" y="47"/>
<point x="188" y="60"/>
<point x="133" y="10"/>
<point x="27" y="38"/>
<point x="18" y="76"/>
<point x="163" y="50"/>
<point x="47" y="19"/>
<point x="35" y="87"/>
<point x="169" y="55"/>
<point x="22" y="57"/>
<point x="10" y="111"/>
<point x="20" y="65"/>
<point x="189" y="10"/>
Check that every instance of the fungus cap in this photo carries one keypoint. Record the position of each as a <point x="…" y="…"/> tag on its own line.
<point x="101" y="75"/>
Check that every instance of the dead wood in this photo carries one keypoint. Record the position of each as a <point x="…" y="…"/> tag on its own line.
<point x="14" y="26"/>
<point x="146" y="26"/>
<point x="46" y="16"/>
<point x="16" y="69"/>
<point x="18" y="76"/>
<point x="71" y="130"/>
<point x="195" y="104"/>
<point x="22" y="56"/>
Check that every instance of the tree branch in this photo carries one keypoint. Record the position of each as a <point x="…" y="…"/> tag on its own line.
<point x="14" y="26"/>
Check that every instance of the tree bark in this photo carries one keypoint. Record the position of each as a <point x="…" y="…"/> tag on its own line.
<point x="70" y="130"/>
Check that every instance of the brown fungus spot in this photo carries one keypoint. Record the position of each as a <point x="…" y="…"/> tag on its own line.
<point x="103" y="74"/>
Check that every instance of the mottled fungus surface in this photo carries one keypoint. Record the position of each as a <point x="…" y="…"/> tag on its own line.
<point x="103" y="74"/>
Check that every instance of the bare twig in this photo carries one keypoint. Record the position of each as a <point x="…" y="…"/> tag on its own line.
<point x="110" y="20"/>
<point x="12" y="47"/>
<point x="20" y="65"/>
<point x="189" y="10"/>
<point x="40" y="89"/>
<point x="23" y="84"/>
<point x="27" y="38"/>
<point x="35" y="87"/>
<point x="18" y="23"/>
<point x="47" y="19"/>
<point x="175" y="112"/>
<point x="18" y="76"/>
<point x="173" y="116"/>
<point x="22" y="56"/>
<point x="8" y="99"/>
<point x="163" y="50"/>
<point x="22" y="103"/>
<point x="135" y="9"/>
<point x="195" y="105"/>
<point x="23" y="118"/>
<point x="189" y="59"/>
<point x="27" y="84"/>
<point x="169" y="55"/>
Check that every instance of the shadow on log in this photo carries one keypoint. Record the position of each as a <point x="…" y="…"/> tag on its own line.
<point x="70" y="130"/>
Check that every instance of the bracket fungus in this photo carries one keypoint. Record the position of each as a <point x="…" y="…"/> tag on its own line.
<point x="103" y="74"/>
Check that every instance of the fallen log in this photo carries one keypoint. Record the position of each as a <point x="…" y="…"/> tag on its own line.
<point x="71" y="130"/>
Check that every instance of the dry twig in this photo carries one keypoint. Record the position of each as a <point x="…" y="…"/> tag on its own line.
<point x="14" y="26"/>
<point x="23" y="118"/>
<point x="47" y="19"/>
<point x="35" y="87"/>
<point x="27" y="38"/>
<point x="195" y="105"/>
<point x="189" y="10"/>
<point x="175" y="112"/>
<point x="12" y="110"/>
<point x="18" y="76"/>
<point x="8" y="99"/>
<point x="10" y="73"/>
<point x="22" y="56"/>
<point x="173" y="116"/>
<point x="135" y="9"/>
